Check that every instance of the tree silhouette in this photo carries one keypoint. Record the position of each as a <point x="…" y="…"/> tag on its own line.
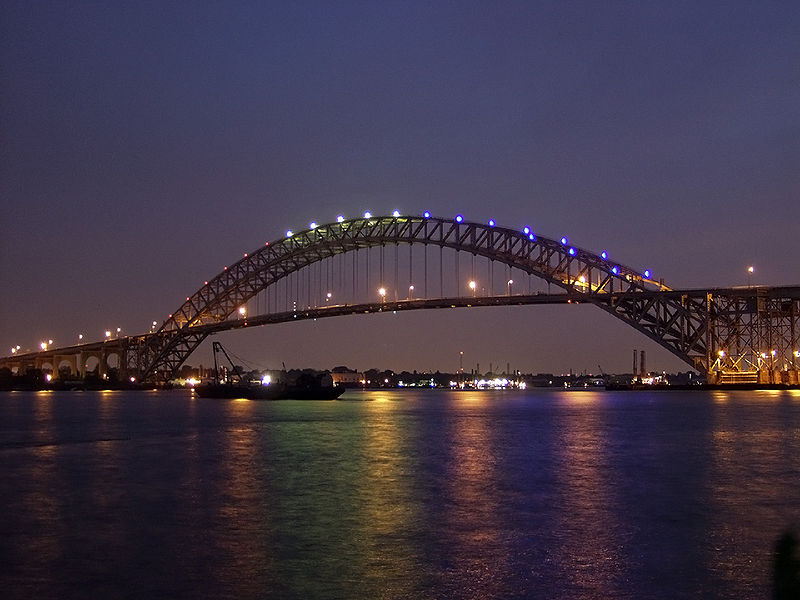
<point x="786" y="568"/>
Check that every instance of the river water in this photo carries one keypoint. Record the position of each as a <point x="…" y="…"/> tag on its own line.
<point x="396" y="494"/>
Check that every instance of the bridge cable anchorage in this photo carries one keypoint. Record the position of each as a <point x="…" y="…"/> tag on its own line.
<point x="750" y="332"/>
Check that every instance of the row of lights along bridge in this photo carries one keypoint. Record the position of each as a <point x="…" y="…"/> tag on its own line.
<point x="109" y="334"/>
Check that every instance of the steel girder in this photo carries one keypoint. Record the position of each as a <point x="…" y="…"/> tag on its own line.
<point x="160" y="354"/>
<point x="759" y="331"/>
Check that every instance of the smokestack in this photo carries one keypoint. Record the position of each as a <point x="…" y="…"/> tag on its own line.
<point x="643" y="364"/>
<point x="635" y="371"/>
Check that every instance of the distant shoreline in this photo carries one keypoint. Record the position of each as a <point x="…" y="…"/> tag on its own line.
<point x="596" y="388"/>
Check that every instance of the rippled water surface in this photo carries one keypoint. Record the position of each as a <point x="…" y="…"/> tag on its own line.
<point x="400" y="494"/>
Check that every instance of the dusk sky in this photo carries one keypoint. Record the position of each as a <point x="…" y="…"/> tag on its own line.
<point x="145" y="145"/>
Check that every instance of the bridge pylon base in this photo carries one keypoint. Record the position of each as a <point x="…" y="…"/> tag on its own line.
<point x="762" y="377"/>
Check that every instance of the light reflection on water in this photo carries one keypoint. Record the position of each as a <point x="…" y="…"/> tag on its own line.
<point x="396" y="494"/>
<point x="40" y="487"/>
<point x="386" y="508"/>
<point x="589" y="535"/>
<point x="472" y="511"/>
<point x="755" y="458"/>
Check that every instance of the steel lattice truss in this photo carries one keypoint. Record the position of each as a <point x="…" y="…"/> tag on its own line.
<point x="693" y="325"/>
<point x="756" y="330"/>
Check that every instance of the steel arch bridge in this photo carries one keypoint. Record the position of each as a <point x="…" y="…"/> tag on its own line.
<point x="738" y="333"/>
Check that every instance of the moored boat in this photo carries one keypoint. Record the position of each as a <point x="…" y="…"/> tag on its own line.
<point x="306" y="386"/>
<point x="238" y="390"/>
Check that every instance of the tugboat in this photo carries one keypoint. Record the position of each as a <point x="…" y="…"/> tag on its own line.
<point x="306" y="386"/>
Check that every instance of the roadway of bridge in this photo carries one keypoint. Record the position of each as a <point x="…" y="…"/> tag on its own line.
<point x="416" y="304"/>
<point x="338" y="310"/>
<point x="319" y="312"/>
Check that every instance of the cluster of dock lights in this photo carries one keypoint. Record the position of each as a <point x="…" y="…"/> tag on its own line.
<point x="647" y="274"/>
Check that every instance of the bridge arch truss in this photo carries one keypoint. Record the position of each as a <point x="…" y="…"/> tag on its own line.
<point x="678" y="322"/>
